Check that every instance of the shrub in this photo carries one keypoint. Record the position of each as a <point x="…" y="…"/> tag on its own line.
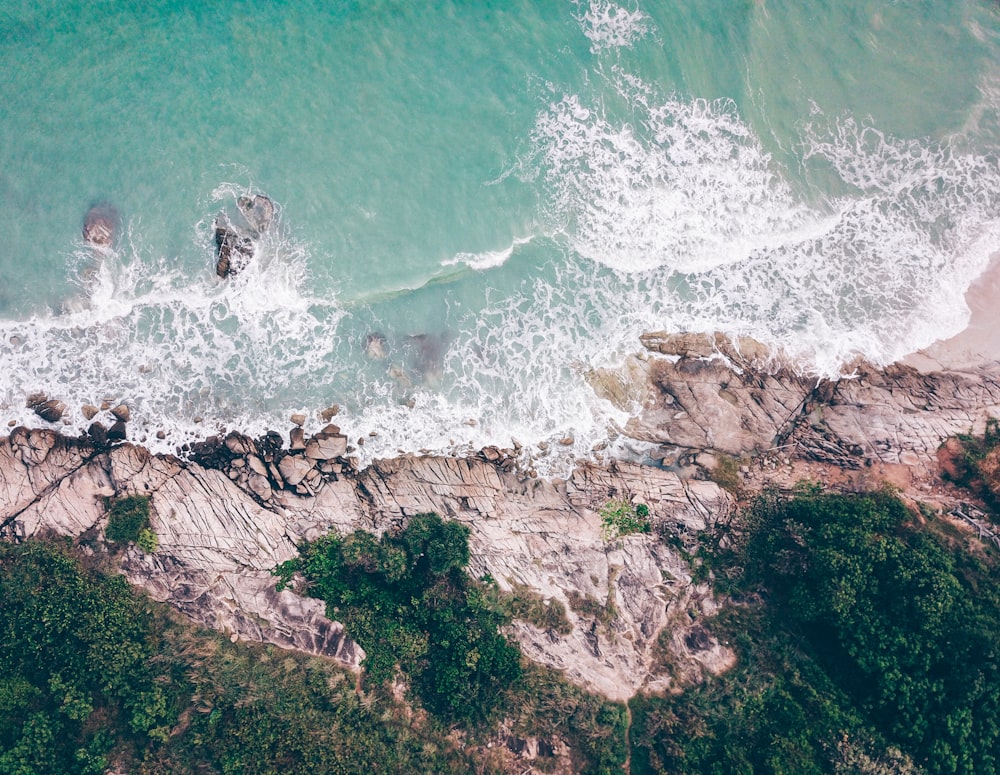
<point x="127" y="517"/>
<point x="407" y="600"/>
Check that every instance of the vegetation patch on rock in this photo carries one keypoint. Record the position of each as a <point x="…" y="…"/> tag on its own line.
<point x="128" y="522"/>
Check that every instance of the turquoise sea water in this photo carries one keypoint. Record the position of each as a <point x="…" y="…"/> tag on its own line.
<point x="508" y="192"/>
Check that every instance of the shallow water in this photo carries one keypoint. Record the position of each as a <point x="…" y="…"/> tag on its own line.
<point x="510" y="195"/>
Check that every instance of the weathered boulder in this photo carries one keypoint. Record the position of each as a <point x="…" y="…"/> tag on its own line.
<point x="325" y="446"/>
<point x="294" y="468"/>
<point x="122" y="412"/>
<point x="100" y="225"/>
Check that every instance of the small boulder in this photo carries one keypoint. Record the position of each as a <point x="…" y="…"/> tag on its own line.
<point x="121" y="412"/>
<point x="100" y="225"/>
<point x="117" y="432"/>
<point x="296" y="439"/>
<point x="98" y="434"/>
<point x="50" y="410"/>
<point x="294" y="469"/>
<point x="89" y="411"/>
<point x="330" y="412"/>
<point x="324" y="447"/>
<point x="298" y="419"/>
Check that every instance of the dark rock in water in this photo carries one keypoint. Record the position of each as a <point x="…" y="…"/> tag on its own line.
<point x="100" y="225"/>
<point x="234" y="250"/>
<point x="258" y="210"/>
<point x="50" y="410"/>
<point x="98" y="434"/>
<point x="117" y="432"/>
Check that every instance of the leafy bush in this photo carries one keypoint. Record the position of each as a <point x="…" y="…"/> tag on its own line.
<point x="127" y="517"/>
<point x="74" y="651"/>
<point x="621" y="518"/>
<point x="407" y="601"/>
<point x="906" y="625"/>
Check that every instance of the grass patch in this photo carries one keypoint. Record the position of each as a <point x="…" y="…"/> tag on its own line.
<point x="524" y="603"/>
<point x="621" y="518"/>
<point x="726" y="474"/>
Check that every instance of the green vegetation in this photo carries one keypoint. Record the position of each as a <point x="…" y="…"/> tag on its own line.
<point x="973" y="462"/>
<point x="877" y="650"/>
<point x="621" y="518"/>
<point x="407" y="600"/>
<point x="94" y="676"/>
<point x="128" y="522"/>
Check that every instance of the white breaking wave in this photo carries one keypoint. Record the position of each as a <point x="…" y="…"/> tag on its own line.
<point x="487" y="259"/>
<point x="176" y="343"/>
<point x="608" y="25"/>
<point x="684" y="199"/>
<point x="689" y="188"/>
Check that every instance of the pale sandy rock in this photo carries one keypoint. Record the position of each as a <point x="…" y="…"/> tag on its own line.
<point x="294" y="468"/>
<point x="326" y="447"/>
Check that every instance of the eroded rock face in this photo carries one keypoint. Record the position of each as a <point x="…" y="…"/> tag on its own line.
<point x="715" y="396"/>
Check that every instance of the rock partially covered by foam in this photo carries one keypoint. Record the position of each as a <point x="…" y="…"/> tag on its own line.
<point x="234" y="250"/>
<point x="50" y="410"/>
<point x="100" y="225"/>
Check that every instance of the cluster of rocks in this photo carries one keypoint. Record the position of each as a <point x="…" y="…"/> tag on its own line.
<point x="264" y="466"/>
<point x="52" y="410"/>
<point x="236" y="244"/>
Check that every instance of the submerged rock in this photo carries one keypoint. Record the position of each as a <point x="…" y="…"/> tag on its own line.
<point x="375" y="346"/>
<point x="258" y="210"/>
<point x="100" y="225"/>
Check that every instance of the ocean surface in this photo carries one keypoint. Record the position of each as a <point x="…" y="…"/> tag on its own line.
<point x="506" y="193"/>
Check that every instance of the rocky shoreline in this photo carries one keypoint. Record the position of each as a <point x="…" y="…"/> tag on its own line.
<point x="237" y="506"/>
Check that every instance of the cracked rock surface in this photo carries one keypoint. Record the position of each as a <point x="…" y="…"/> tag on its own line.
<point x="224" y="523"/>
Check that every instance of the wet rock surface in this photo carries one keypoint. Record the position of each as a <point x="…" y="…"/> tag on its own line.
<point x="100" y="226"/>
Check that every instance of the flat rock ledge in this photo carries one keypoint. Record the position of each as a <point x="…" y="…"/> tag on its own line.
<point x="226" y="517"/>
